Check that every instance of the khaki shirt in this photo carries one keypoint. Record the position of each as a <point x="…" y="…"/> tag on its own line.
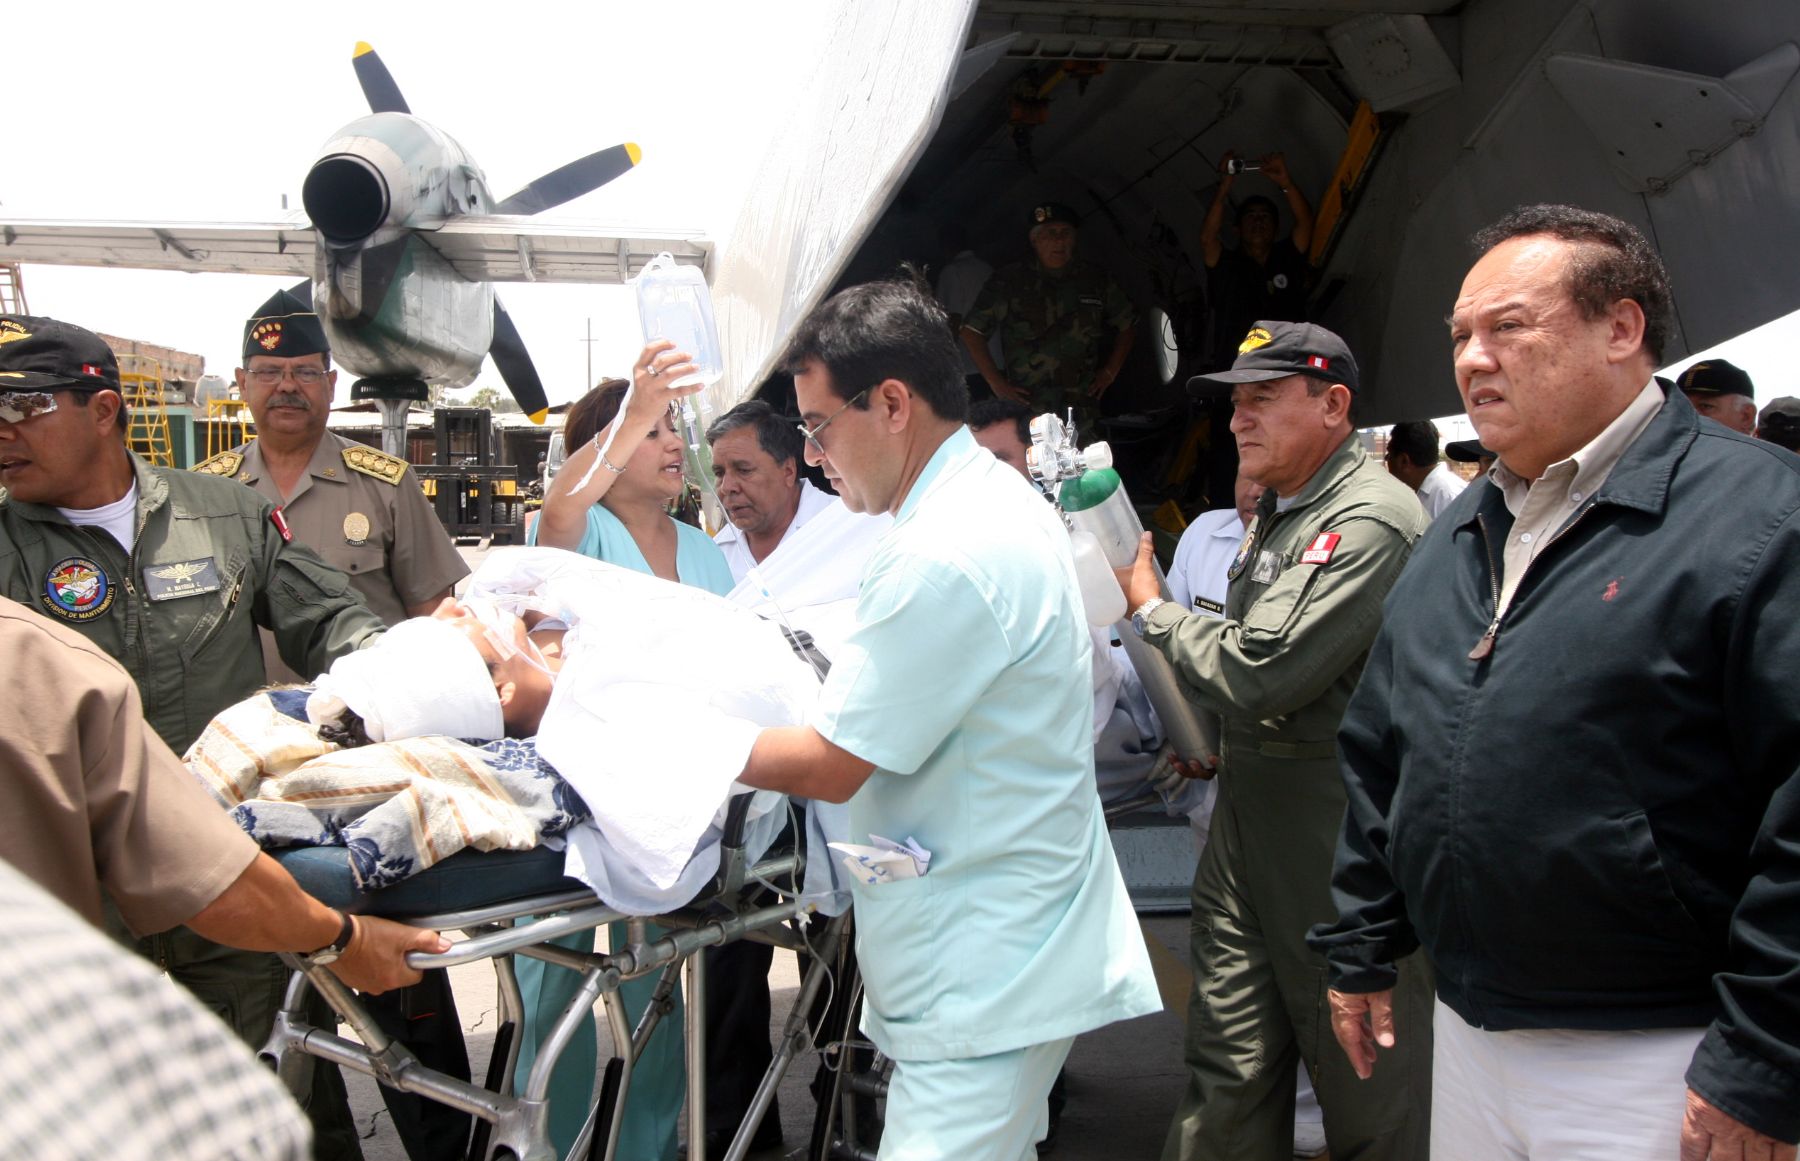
<point x="1300" y="614"/>
<point x="1542" y="507"/>
<point x="91" y="797"/>
<point x="364" y="513"/>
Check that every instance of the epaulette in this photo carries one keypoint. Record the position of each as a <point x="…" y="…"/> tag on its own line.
<point x="226" y="463"/>
<point x="370" y="462"/>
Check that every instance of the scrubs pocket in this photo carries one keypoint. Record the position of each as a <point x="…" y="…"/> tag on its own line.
<point x="900" y="949"/>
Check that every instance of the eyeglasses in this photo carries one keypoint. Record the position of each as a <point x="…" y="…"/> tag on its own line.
<point x="270" y="376"/>
<point x="811" y="435"/>
<point x="18" y="406"/>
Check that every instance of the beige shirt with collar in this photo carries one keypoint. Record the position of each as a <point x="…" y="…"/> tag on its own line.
<point x="384" y="535"/>
<point x="1542" y="507"/>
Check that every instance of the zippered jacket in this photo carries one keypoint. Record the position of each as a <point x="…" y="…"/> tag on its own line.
<point x="180" y="611"/>
<point x="1588" y="809"/>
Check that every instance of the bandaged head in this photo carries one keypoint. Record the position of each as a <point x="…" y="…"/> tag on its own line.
<point x="422" y="677"/>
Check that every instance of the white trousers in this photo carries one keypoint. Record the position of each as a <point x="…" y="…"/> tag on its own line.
<point x="1557" y="1095"/>
<point x="983" y="1108"/>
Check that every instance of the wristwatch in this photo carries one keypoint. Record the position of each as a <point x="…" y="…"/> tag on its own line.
<point x="1143" y="611"/>
<point x="331" y="951"/>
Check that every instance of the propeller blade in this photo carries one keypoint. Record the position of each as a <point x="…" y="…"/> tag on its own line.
<point x="377" y="83"/>
<point x="516" y="368"/>
<point x="572" y="180"/>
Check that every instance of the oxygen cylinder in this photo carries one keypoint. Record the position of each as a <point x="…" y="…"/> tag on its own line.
<point x="1095" y="502"/>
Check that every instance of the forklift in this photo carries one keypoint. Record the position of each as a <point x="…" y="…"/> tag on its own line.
<point x="476" y="498"/>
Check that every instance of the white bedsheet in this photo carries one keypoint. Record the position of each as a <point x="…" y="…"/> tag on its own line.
<point x="662" y="692"/>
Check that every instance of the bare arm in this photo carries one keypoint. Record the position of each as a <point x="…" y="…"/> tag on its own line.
<point x="799" y="760"/>
<point x="265" y="910"/>
<point x="1275" y="169"/>
<point x="563" y="521"/>
<point x="1210" y="245"/>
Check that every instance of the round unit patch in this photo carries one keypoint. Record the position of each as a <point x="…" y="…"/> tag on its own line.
<point x="77" y="589"/>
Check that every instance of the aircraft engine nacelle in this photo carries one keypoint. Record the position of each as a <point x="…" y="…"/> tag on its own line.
<point x="389" y="170"/>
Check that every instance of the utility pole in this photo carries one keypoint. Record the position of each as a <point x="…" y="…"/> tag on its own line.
<point x="590" y="354"/>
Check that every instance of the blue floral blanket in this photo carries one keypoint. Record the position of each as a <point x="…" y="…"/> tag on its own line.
<point x="399" y="807"/>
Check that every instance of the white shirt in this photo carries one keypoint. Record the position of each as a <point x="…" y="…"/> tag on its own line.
<point x="118" y="518"/>
<point x="1438" y="489"/>
<point x="736" y="546"/>
<point x="1197" y="574"/>
<point x="812" y="578"/>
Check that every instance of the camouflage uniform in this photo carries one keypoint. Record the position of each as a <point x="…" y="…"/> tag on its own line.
<point x="1055" y="328"/>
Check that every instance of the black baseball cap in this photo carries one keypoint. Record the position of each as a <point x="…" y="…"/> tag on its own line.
<point x="1046" y="212"/>
<point x="42" y="354"/>
<point x="1785" y="407"/>
<point x="1275" y="350"/>
<point x="1716" y="377"/>
<point x="1468" y="451"/>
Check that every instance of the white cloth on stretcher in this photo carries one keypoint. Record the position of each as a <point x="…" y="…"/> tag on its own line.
<point x="811" y="583"/>
<point x="663" y="690"/>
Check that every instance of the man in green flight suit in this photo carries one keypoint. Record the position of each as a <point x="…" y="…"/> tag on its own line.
<point x="1065" y="327"/>
<point x="169" y="572"/>
<point x="1330" y="536"/>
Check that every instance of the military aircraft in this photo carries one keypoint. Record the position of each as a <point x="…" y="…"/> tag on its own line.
<point x="1409" y="123"/>
<point x="402" y="241"/>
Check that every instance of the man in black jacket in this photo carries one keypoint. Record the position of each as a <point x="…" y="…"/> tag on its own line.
<point x="1571" y="761"/>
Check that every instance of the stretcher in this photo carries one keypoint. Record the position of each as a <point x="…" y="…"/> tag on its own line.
<point x="488" y="897"/>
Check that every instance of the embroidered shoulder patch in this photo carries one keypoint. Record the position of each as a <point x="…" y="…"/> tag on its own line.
<point x="1321" y="548"/>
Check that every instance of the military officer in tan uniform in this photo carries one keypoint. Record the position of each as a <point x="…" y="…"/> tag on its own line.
<point x="363" y="511"/>
<point x="359" y="508"/>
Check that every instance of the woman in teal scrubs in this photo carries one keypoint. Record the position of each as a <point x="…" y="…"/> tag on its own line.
<point x="621" y="516"/>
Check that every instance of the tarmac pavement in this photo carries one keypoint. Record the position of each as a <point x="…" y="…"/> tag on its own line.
<point x="1123" y="1080"/>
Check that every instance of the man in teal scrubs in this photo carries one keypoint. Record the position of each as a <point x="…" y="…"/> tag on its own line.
<point x="958" y="714"/>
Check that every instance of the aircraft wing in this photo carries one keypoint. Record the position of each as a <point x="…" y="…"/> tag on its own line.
<point x="512" y="248"/>
<point x="493" y="248"/>
<point x="277" y="247"/>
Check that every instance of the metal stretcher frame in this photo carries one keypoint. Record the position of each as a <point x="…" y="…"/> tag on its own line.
<point x="516" y="1125"/>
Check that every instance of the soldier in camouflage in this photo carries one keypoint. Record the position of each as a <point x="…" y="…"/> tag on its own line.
<point x="1065" y="327"/>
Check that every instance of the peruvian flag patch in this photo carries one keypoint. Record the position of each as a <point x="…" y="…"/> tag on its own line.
<point x="281" y="524"/>
<point x="1320" y="550"/>
<point x="1318" y="362"/>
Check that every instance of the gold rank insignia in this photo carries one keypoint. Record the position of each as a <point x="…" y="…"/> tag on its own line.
<point x="370" y="462"/>
<point x="356" y="529"/>
<point x="267" y="334"/>
<point x="226" y="463"/>
<point x="1258" y="337"/>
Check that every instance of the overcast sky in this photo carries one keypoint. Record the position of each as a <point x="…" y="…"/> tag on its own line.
<point x="214" y="111"/>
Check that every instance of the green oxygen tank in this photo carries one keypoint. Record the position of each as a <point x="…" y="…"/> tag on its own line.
<point x="1094" y="502"/>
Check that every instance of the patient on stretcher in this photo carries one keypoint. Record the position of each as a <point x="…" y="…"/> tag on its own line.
<point x="564" y="700"/>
